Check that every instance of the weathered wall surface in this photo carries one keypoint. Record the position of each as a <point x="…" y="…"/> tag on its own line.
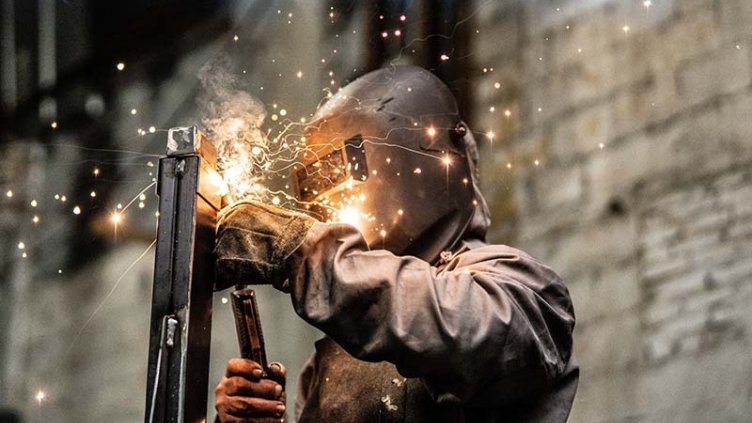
<point x="639" y="120"/>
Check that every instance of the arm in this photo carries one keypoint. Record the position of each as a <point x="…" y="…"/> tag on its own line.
<point x="492" y="327"/>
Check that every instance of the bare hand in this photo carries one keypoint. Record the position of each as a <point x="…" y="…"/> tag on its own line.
<point x="246" y="395"/>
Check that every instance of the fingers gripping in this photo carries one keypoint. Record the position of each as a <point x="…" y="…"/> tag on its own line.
<point x="247" y="394"/>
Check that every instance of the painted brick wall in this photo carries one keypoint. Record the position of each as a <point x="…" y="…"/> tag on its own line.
<point x="641" y="194"/>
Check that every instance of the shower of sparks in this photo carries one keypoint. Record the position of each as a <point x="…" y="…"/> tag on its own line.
<point x="249" y="159"/>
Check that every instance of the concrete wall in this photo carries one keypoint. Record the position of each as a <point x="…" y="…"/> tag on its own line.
<point x="642" y="192"/>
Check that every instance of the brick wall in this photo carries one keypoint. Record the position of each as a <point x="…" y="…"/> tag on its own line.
<point x="642" y="193"/>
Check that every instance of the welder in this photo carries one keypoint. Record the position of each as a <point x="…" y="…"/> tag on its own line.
<point x="424" y="321"/>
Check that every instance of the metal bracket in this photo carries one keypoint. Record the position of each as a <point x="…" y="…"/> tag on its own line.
<point x="189" y="198"/>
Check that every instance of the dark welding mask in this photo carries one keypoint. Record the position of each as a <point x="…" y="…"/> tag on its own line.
<point x="389" y="154"/>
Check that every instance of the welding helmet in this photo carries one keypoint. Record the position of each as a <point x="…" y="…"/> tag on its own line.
<point x="389" y="154"/>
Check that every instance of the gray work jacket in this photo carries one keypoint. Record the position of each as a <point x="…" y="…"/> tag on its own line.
<point x="483" y="336"/>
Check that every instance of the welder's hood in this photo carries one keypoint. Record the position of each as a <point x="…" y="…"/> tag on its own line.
<point x="389" y="154"/>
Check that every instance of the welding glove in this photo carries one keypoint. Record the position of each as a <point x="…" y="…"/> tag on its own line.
<point x="255" y="241"/>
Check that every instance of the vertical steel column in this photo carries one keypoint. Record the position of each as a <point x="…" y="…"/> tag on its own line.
<point x="189" y="199"/>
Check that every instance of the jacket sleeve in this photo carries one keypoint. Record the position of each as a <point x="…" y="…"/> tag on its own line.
<point x="492" y="326"/>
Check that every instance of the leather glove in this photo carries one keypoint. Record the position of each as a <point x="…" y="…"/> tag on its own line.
<point x="254" y="242"/>
<point x="246" y="395"/>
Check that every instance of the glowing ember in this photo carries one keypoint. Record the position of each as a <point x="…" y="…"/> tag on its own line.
<point x="349" y="215"/>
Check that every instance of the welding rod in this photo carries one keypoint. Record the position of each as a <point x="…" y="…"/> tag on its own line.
<point x="248" y="326"/>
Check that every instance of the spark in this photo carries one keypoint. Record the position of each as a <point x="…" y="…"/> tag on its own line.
<point x="224" y="300"/>
<point x="35" y="219"/>
<point x="444" y="57"/>
<point x="275" y="201"/>
<point x="397" y="33"/>
<point x="21" y="246"/>
<point x="626" y="29"/>
<point x="490" y="135"/>
<point x="116" y="218"/>
<point x="509" y="165"/>
<point x="40" y="396"/>
<point x="76" y="210"/>
<point x="63" y="198"/>
<point x="120" y="66"/>
<point x="283" y="112"/>
<point x="601" y="145"/>
<point x="152" y="129"/>
<point x="96" y="171"/>
<point x="537" y="162"/>
<point x="299" y="74"/>
<point x="507" y="113"/>
<point x="141" y="205"/>
<point x="349" y="215"/>
<point x="447" y="160"/>
<point x="93" y="194"/>
<point x="53" y="125"/>
<point x="647" y="4"/>
<point x="431" y="131"/>
<point x="417" y="171"/>
<point x="403" y="18"/>
<point x="235" y="38"/>
<point x="492" y="109"/>
<point x="497" y="85"/>
<point x="134" y="111"/>
<point x="384" y="34"/>
<point x="9" y="194"/>
<point x="382" y="233"/>
<point x="400" y="212"/>
<point x="33" y="203"/>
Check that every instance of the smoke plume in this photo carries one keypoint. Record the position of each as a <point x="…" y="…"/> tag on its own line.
<point x="232" y="119"/>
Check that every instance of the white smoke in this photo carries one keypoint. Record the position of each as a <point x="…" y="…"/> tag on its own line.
<point x="232" y="119"/>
